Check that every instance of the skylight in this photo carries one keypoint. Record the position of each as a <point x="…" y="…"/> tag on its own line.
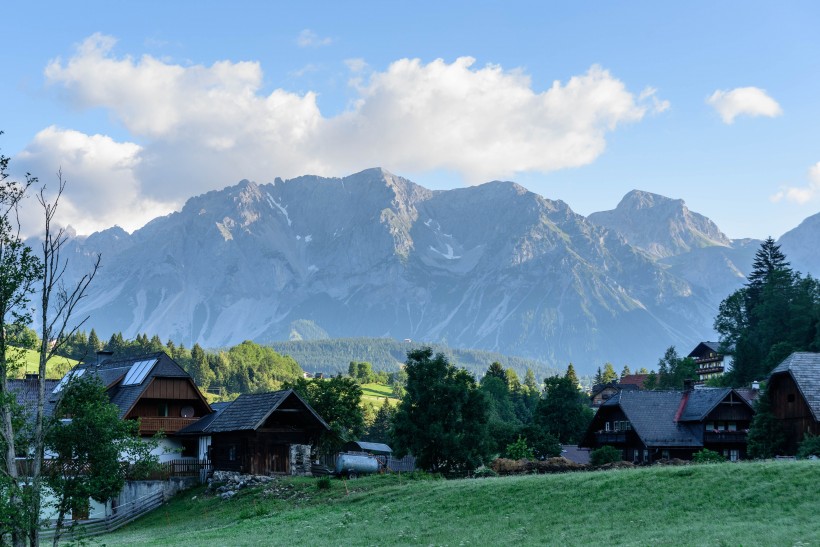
<point x="71" y="374"/>
<point x="137" y="372"/>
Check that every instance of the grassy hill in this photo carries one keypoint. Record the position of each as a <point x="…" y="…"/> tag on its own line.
<point x="770" y="503"/>
<point x="332" y="356"/>
<point x="55" y="368"/>
<point x="377" y="393"/>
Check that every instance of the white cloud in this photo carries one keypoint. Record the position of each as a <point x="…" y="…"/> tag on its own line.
<point x="102" y="188"/>
<point x="202" y="128"/>
<point x="801" y="195"/>
<point x="743" y="101"/>
<point x="308" y="38"/>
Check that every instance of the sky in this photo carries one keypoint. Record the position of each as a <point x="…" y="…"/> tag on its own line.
<point x="142" y="105"/>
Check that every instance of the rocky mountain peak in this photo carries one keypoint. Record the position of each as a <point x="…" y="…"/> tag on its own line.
<point x="659" y="225"/>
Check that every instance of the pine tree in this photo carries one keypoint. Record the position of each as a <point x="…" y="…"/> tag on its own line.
<point x="94" y="344"/>
<point x="570" y="375"/>
<point x="625" y="371"/>
<point x="609" y="374"/>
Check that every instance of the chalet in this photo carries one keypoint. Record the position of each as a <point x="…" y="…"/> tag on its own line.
<point x="153" y="389"/>
<point x="260" y="433"/>
<point x="637" y="380"/>
<point x="651" y="425"/>
<point x="711" y="362"/>
<point x="794" y="392"/>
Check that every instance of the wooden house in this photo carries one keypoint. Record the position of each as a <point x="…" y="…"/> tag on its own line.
<point x="153" y="389"/>
<point x="260" y="434"/>
<point x="601" y="393"/>
<point x="651" y="425"/>
<point x="794" y="391"/>
<point x="711" y="362"/>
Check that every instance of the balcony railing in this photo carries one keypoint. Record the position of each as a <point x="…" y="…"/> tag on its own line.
<point x="606" y="437"/>
<point x="725" y="436"/>
<point x="152" y="424"/>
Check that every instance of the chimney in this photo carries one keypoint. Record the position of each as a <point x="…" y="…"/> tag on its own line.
<point x="755" y="385"/>
<point x="32" y="376"/>
<point x="688" y="385"/>
<point x="103" y="355"/>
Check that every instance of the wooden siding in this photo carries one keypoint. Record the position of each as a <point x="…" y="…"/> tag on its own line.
<point x="171" y="388"/>
<point x="789" y="406"/>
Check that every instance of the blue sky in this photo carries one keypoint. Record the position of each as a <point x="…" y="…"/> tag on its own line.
<point x="145" y="104"/>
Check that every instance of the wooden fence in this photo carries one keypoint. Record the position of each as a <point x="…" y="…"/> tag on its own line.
<point x="179" y="468"/>
<point x="122" y="515"/>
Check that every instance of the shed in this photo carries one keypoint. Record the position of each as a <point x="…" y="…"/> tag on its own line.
<point x="378" y="449"/>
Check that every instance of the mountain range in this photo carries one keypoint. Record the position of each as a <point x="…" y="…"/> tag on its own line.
<point x="493" y="267"/>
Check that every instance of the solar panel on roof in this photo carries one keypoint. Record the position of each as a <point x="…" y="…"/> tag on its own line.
<point x="137" y="372"/>
<point x="67" y="378"/>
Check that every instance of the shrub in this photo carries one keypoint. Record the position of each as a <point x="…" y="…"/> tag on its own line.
<point x="519" y="450"/>
<point x="707" y="456"/>
<point x="809" y="447"/>
<point x="484" y="472"/>
<point x="323" y="483"/>
<point x="604" y="455"/>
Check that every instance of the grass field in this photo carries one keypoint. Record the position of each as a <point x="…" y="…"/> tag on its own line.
<point x="55" y="368"/>
<point x="377" y="393"/>
<point x="770" y="503"/>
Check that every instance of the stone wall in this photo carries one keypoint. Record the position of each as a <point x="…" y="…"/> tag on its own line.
<point x="300" y="459"/>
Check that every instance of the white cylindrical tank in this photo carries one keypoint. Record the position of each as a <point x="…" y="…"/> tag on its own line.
<point x="356" y="464"/>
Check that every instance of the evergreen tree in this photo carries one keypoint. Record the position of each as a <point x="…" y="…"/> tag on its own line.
<point x="497" y="371"/>
<point x="563" y="412"/>
<point x="571" y="376"/>
<point x="530" y="382"/>
<point x="609" y="374"/>
<point x="776" y="313"/>
<point x="94" y="344"/>
<point x="442" y="419"/>
<point x="599" y="377"/>
<point x="379" y="430"/>
<point x="625" y="371"/>
<point x="766" y="437"/>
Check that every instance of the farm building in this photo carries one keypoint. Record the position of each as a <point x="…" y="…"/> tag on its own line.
<point x="794" y="391"/>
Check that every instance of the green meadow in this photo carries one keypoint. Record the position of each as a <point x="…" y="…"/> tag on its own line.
<point x="757" y="503"/>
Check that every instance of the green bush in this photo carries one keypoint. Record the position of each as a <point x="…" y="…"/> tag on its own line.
<point x="707" y="456"/>
<point x="519" y="450"/>
<point x="809" y="447"/>
<point x="323" y="483"/>
<point x="604" y="455"/>
<point x="484" y="472"/>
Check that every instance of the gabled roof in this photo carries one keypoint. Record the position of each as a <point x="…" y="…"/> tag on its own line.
<point x="705" y="347"/>
<point x="804" y="368"/>
<point x="247" y="413"/>
<point x="112" y="372"/>
<point x="652" y="414"/>
<point x="633" y="380"/>
<point x="701" y="402"/>
<point x="201" y="425"/>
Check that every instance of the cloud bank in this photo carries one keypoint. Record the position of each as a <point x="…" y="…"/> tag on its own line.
<point x="804" y="194"/>
<point x="743" y="101"/>
<point x="205" y="127"/>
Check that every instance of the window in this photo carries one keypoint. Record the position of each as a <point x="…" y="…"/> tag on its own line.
<point x="646" y="455"/>
<point x="721" y="426"/>
<point x="162" y="410"/>
<point x="665" y="454"/>
<point x="606" y="426"/>
<point x="731" y="454"/>
<point x="710" y="425"/>
<point x="232" y="453"/>
<point x="732" y="426"/>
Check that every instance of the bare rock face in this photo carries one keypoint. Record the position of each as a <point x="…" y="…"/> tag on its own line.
<point x="491" y="267"/>
<point x="801" y="244"/>
<point x="660" y="226"/>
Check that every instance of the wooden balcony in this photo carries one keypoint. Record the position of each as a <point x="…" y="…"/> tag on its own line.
<point x="725" y="437"/>
<point x="153" y="424"/>
<point x="610" y="437"/>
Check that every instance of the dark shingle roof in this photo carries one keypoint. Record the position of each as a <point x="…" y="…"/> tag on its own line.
<point x="248" y="412"/>
<point x="701" y="402"/>
<point x="804" y="367"/>
<point x="652" y="414"/>
<point x="705" y="347"/>
<point x="26" y="390"/>
<point x="112" y="371"/>
<point x="201" y="425"/>
<point x="368" y="447"/>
